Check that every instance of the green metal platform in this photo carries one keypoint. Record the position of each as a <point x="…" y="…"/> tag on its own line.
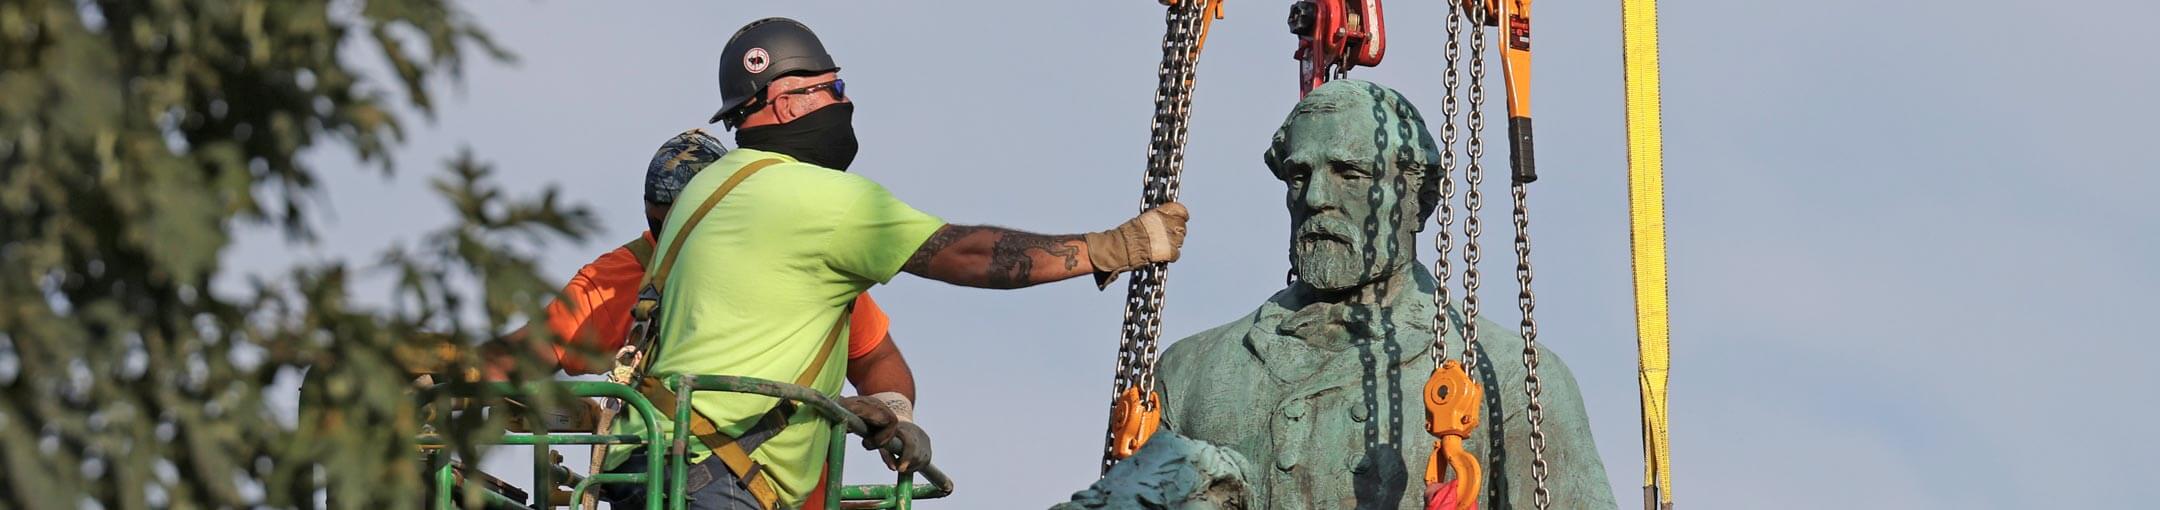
<point x="665" y="492"/>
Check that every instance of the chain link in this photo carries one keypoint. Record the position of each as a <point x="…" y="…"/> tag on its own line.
<point x="1474" y="178"/>
<point x="1533" y="387"/>
<point x="1443" y="242"/>
<point x="1144" y="292"/>
<point x="1474" y="149"/>
<point x="1527" y="302"/>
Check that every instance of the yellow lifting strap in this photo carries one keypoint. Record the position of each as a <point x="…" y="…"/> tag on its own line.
<point x="1646" y="222"/>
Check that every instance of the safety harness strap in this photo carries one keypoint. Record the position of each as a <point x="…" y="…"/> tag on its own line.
<point x="643" y="343"/>
<point x="642" y="347"/>
<point x="640" y="249"/>
<point x="731" y="451"/>
<point x="657" y="278"/>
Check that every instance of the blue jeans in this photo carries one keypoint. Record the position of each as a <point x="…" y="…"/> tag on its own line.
<point x="709" y="485"/>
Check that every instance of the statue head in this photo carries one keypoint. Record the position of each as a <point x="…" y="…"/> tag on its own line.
<point x="1362" y="174"/>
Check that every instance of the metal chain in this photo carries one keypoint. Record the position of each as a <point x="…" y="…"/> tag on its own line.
<point x="1472" y="229"/>
<point x="1525" y="300"/>
<point x="1528" y="302"/>
<point x="1474" y="178"/>
<point x="1442" y="241"/>
<point x="1172" y="169"/>
<point x="1144" y="293"/>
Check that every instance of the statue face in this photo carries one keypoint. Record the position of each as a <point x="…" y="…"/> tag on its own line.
<point x="1352" y="212"/>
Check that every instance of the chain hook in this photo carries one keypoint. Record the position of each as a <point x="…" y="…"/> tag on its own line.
<point x="1452" y="402"/>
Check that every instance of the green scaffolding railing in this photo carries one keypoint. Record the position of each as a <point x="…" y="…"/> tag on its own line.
<point x="665" y="492"/>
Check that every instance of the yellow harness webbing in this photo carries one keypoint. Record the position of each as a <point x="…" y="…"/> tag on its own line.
<point x="1646" y="221"/>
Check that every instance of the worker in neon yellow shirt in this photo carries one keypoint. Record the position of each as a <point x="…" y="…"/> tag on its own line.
<point x="763" y="280"/>
<point x="594" y="316"/>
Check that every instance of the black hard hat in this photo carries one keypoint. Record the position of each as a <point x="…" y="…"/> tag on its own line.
<point x="761" y="52"/>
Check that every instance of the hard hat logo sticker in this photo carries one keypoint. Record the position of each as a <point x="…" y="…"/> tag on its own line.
<point x="755" y="61"/>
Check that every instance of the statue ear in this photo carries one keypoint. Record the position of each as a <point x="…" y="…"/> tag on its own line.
<point x="1424" y="177"/>
<point x="1278" y="148"/>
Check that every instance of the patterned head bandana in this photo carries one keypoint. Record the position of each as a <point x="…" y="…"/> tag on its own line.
<point x="677" y="161"/>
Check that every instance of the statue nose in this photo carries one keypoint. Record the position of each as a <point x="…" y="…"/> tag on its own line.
<point x="1316" y="195"/>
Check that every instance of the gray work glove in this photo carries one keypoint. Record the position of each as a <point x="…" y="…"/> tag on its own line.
<point x="1153" y="236"/>
<point x="914" y="453"/>
<point x="890" y="416"/>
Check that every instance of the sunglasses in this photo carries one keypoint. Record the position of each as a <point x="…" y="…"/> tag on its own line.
<point x="837" y="87"/>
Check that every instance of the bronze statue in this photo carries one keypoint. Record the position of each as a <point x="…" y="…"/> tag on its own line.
<point x="1319" y="389"/>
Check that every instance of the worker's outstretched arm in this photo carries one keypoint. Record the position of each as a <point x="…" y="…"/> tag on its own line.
<point x="998" y="258"/>
<point x="1002" y="258"/>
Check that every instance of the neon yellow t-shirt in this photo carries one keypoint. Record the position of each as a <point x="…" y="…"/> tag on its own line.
<point x="761" y="280"/>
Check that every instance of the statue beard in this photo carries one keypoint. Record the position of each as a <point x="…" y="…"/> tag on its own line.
<point x="1330" y="258"/>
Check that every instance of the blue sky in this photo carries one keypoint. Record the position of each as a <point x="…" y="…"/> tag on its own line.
<point x="1910" y="246"/>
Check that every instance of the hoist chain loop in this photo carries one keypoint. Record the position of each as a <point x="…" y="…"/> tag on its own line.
<point x="1473" y="179"/>
<point x="1184" y="22"/>
<point x="1474" y="150"/>
<point x="1443" y="241"/>
<point x="1534" y="388"/>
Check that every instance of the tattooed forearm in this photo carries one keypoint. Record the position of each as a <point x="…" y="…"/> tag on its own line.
<point x="1012" y="260"/>
<point x="919" y="263"/>
<point x="998" y="258"/>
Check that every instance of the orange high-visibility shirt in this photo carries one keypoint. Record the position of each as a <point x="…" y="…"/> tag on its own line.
<point x="595" y="312"/>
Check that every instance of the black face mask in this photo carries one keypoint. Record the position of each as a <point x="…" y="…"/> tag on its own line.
<point x="825" y="137"/>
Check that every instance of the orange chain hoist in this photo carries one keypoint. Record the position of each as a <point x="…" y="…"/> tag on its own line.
<point x="1512" y="17"/>
<point x="1452" y="405"/>
<point x="1134" y="421"/>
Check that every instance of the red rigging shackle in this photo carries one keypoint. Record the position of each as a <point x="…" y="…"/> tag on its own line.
<point x="1335" y="35"/>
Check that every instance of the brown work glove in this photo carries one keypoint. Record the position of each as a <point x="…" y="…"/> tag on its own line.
<point x="888" y="416"/>
<point x="1153" y="236"/>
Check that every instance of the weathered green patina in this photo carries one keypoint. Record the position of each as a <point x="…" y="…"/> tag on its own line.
<point x="1171" y="473"/>
<point x="1319" y="388"/>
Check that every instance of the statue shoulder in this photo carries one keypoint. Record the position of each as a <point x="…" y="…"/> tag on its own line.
<point x="1211" y="344"/>
<point x="1579" y="478"/>
<point x="1171" y="471"/>
<point x="1230" y="335"/>
<point x="1203" y="360"/>
<point x="1210" y="339"/>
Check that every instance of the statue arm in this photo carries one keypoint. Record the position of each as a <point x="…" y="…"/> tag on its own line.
<point x="998" y="258"/>
<point x="1172" y="472"/>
